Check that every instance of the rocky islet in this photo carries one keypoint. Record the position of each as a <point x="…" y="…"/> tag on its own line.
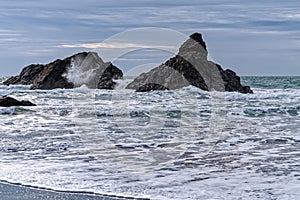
<point x="95" y="72"/>
<point x="6" y="101"/>
<point x="189" y="67"/>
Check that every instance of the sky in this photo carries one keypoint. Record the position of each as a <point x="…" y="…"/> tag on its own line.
<point x="251" y="37"/>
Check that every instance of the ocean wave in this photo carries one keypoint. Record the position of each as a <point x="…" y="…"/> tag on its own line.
<point x="7" y="111"/>
<point x="13" y="88"/>
<point x="261" y="94"/>
<point x="158" y="144"/>
<point x="2" y="79"/>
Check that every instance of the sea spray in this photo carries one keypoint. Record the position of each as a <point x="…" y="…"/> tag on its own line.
<point x="92" y="71"/>
<point x="82" y="71"/>
<point x="78" y="76"/>
<point x="2" y="79"/>
<point x="121" y="84"/>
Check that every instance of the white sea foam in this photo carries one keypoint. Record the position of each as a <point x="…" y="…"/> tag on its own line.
<point x="255" y="154"/>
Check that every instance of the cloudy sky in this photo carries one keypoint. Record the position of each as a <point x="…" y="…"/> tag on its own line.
<point x="252" y="38"/>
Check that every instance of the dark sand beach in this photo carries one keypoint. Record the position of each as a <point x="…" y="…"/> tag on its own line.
<point x="18" y="192"/>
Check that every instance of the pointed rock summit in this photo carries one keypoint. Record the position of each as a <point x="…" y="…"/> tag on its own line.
<point x="82" y="68"/>
<point x="189" y="67"/>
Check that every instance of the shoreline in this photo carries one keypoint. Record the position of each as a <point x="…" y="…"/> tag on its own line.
<point x="15" y="191"/>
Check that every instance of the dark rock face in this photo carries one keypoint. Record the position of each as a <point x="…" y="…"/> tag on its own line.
<point x="233" y="82"/>
<point x="189" y="67"/>
<point x="9" y="101"/>
<point x="106" y="80"/>
<point x="55" y="74"/>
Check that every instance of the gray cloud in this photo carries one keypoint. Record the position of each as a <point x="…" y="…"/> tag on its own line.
<point x="241" y="35"/>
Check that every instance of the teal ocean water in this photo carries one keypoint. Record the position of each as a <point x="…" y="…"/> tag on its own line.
<point x="273" y="82"/>
<point x="182" y="144"/>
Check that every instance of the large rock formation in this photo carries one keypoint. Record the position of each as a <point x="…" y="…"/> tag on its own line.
<point x="189" y="67"/>
<point x="6" y="101"/>
<point x="82" y="68"/>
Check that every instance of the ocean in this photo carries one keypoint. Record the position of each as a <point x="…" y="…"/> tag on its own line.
<point x="181" y="144"/>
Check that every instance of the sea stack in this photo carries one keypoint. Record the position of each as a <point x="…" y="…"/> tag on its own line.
<point x="189" y="67"/>
<point x="82" y="68"/>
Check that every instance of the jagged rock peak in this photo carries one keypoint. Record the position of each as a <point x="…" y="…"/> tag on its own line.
<point x="193" y="47"/>
<point x="198" y="38"/>
<point x="189" y="67"/>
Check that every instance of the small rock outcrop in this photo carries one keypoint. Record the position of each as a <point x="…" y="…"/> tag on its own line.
<point x="6" y="101"/>
<point x="82" y="68"/>
<point x="189" y="67"/>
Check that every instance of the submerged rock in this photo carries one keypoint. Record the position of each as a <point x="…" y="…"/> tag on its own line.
<point x="6" y="101"/>
<point x="189" y="67"/>
<point x="82" y="68"/>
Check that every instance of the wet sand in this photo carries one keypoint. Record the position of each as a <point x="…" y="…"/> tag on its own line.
<point x="18" y="192"/>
